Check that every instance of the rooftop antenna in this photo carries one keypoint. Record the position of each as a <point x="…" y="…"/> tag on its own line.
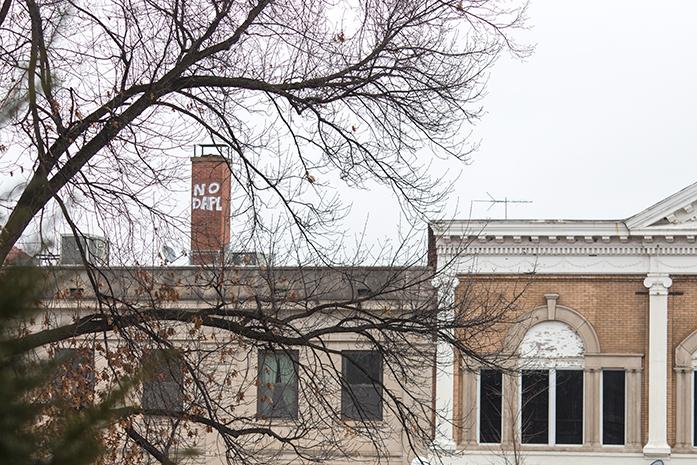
<point x="493" y="201"/>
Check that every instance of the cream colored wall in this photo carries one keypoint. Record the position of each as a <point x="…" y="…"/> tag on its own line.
<point x="346" y="446"/>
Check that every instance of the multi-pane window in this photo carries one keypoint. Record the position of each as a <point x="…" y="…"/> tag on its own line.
<point x="162" y="384"/>
<point x="74" y="380"/>
<point x="535" y="406"/>
<point x="613" y="407"/>
<point x="569" y="407"/>
<point x="490" y="404"/>
<point x="277" y="391"/>
<point x="361" y="387"/>
<point x="559" y="392"/>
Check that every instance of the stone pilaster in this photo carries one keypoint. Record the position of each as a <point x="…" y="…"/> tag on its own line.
<point x="445" y="365"/>
<point x="657" y="444"/>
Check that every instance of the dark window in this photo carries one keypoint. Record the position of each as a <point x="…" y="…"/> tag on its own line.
<point x="162" y="384"/>
<point x="694" y="409"/>
<point x="74" y="380"/>
<point x="569" y="407"/>
<point x="490" y="385"/>
<point x="613" y="407"/>
<point x="535" y="411"/>
<point x="361" y="387"/>
<point x="277" y="391"/>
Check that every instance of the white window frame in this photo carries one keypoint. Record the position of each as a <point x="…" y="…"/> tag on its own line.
<point x="693" y="374"/>
<point x="626" y="407"/>
<point x="479" y="403"/>
<point x="552" y="406"/>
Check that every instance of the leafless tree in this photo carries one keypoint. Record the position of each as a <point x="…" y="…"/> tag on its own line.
<point x="98" y="99"/>
<point x="308" y="94"/>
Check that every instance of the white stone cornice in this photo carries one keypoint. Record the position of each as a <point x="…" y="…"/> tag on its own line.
<point x="680" y="205"/>
<point x="663" y="238"/>
<point x="658" y="283"/>
<point x="528" y="228"/>
<point x="568" y="259"/>
<point x="682" y="247"/>
<point x="675" y="216"/>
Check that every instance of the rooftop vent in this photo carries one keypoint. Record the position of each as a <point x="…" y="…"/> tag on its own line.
<point x="96" y="249"/>
<point x="246" y="259"/>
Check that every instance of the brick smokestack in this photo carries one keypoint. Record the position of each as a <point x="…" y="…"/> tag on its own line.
<point x="210" y="209"/>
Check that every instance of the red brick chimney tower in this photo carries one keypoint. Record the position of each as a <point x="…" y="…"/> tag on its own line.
<point x="210" y="209"/>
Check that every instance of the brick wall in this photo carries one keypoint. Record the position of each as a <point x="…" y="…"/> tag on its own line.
<point x="210" y="208"/>
<point x="617" y="307"/>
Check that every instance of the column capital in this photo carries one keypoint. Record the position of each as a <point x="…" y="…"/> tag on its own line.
<point x="658" y="283"/>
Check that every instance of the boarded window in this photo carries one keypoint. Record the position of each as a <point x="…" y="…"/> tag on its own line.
<point x="162" y="384"/>
<point x="535" y="411"/>
<point x="277" y="390"/>
<point x="569" y="407"/>
<point x="490" y="396"/>
<point x="361" y="387"/>
<point x="74" y="380"/>
<point x="613" y="407"/>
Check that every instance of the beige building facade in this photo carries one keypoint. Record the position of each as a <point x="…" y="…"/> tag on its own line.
<point x="237" y="357"/>
<point x="597" y="362"/>
<point x="337" y="398"/>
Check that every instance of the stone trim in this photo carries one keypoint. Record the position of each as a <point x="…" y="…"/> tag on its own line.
<point x="568" y="249"/>
<point x="684" y="379"/>
<point x="566" y="315"/>
<point x="594" y="362"/>
<point x="591" y="405"/>
<point x="684" y="351"/>
<point x="630" y="362"/>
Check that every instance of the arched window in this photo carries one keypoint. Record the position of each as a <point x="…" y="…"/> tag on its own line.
<point x="552" y="343"/>
<point x="686" y="394"/>
<point x="551" y="385"/>
<point x="561" y="390"/>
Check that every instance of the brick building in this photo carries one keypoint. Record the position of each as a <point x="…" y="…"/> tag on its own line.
<point x="600" y="352"/>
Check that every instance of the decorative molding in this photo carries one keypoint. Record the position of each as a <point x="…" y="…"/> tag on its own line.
<point x="630" y="362"/>
<point x="678" y="205"/>
<point x="552" y="306"/>
<point x="658" y="283"/>
<point x="684" y="352"/>
<point x="577" y="322"/>
<point x="632" y="257"/>
<point x="567" y="249"/>
<point x="668" y="222"/>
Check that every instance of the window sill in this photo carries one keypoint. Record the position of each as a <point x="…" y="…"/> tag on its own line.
<point x="277" y="421"/>
<point x="358" y="424"/>
<point x="548" y="448"/>
<point x="684" y="450"/>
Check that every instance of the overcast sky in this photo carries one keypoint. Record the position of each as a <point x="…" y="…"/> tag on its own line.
<point x="600" y="122"/>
